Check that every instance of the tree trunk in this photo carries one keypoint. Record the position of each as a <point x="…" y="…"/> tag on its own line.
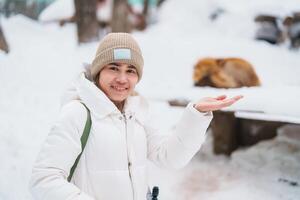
<point x="120" y="22"/>
<point x="145" y="9"/>
<point x="159" y="2"/>
<point x="86" y="20"/>
<point x="3" y="43"/>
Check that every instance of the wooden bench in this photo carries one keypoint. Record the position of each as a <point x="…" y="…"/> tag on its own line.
<point x="234" y="129"/>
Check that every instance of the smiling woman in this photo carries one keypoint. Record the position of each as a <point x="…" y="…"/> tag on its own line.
<point x="117" y="81"/>
<point x="111" y="146"/>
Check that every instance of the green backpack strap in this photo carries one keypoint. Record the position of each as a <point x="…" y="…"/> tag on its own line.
<point x="83" y="139"/>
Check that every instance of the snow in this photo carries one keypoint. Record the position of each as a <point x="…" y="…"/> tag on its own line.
<point x="59" y="9"/>
<point x="253" y="173"/>
<point x="45" y="58"/>
<point x="264" y="171"/>
<point x="65" y="9"/>
<point x="266" y="117"/>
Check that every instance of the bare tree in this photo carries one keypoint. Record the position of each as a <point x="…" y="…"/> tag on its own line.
<point x="159" y="2"/>
<point x="143" y="17"/>
<point x="145" y="9"/>
<point x="87" y="24"/>
<point x="3" y="43"/>
<point x="120" y="22"/>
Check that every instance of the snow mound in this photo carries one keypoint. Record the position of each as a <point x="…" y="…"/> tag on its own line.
<point x="59" y="9"/>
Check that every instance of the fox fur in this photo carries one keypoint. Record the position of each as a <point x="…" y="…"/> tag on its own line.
<point x="224" y="73"/>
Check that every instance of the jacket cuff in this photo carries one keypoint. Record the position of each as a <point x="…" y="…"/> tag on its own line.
<point x="191" y="106"/>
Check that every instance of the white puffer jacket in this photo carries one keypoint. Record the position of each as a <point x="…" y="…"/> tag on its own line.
<point x="113" y="164"/>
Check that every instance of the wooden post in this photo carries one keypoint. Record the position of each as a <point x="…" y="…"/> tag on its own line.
<point x="225" y="129"/>
<point x="87" y="24"/>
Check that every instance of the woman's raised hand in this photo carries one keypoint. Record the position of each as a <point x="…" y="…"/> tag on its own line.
<point x="211" y="104"/>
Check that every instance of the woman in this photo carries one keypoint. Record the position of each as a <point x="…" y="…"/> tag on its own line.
<point x="113" y="163"/>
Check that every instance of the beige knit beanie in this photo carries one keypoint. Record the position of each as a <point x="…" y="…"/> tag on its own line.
<point x="118" y="47"/>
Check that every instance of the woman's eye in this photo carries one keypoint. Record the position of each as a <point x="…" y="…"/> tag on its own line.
<point x="131" y="71"/>
<point x="114" y="68"/>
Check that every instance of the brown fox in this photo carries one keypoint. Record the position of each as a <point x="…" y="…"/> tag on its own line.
<point x="224" y="73"/>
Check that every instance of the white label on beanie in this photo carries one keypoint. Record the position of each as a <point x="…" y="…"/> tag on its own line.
<point x="120" y="54"/>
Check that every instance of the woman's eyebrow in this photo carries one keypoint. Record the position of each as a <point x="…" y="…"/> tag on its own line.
<point x="116" y="64"/>
<point x="131" y="67"/>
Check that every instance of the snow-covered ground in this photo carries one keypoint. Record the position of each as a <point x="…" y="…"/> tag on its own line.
<point x="45" y="58"/>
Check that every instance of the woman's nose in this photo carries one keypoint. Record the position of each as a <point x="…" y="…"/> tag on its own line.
<point x="122" y="77"/>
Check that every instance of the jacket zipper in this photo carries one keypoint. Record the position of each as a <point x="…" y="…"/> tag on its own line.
<point x="128" y="160"/>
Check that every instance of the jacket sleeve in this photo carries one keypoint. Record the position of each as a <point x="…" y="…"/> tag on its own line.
<point x="58" y="154"/>
<point x="176" y="149"/>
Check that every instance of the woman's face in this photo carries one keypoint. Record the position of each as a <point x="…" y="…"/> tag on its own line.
<point x="117" y="81"/>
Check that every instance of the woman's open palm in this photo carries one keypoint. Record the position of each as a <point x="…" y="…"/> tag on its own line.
<point x="211" y="104"/>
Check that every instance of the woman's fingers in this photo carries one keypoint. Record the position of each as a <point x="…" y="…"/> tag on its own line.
<point x="238" y="97"/>
<point x="221" y="97"/>
<point x="226" y="102"/>
<point x="229" y="102"/>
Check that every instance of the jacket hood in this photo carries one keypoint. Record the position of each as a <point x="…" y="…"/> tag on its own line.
<point x="84" y="90"/>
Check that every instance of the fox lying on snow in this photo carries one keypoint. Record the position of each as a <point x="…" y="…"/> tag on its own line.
<point x="224" y="73"/>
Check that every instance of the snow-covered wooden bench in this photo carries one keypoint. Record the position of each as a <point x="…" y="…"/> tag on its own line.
<point x="236" y="128"/>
